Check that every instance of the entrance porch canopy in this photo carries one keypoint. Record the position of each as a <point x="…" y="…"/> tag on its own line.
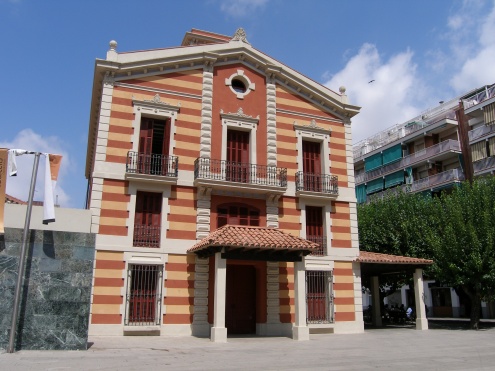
<point x="253" y="243"/>
<point x="375" y="264"/>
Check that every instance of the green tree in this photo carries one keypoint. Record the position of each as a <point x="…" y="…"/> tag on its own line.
<point x="395" y="224"/>
<point x="462" y="236"/>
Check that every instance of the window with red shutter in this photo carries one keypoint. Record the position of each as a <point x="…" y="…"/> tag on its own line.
<point x="314" y="227"/>
<point x="154" y="141"/>
<point x="237" y="214"/>
<point x="147" y="219"/>
<point x="312" y="166"/>
<point x="237" y="167"/>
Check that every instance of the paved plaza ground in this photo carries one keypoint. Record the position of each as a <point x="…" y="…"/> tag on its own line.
<point x="446" y="346"/>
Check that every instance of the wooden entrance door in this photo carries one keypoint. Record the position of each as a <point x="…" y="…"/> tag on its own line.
<point x="240" y="304"/>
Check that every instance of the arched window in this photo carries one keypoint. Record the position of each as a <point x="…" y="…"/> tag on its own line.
<point x="237" y="214"/>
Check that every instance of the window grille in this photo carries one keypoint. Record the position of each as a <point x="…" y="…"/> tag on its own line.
<point x="144" y="294"/>
<point x="319" y="297"/>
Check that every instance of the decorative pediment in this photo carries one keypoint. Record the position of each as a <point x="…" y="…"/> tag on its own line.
<point x="312" y="127"/>
<point x="156" y="102"/>
<point x="239" y="116"/>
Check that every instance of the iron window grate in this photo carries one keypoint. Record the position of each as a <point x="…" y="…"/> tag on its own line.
<point x="144" y="294"/>
<point x="319" y="297"/>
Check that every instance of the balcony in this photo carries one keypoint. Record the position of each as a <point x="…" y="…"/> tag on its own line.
<point x="146" y="236"/>
<point x="321" y="241"/>
<point x="236" y="176"/>
<point x="487" y="93"/>
<point x="435" y="152"/>
<point x="438" y="180"/>
<point x="484" y="165"/>
<point x="152" y="167"/>
<point x="481" y="132"/>
<point x="316" y="185"/>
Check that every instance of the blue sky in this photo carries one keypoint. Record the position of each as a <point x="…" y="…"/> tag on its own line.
<point x="418" y="52"/>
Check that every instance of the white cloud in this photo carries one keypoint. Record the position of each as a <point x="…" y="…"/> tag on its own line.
<point x="476" y="61"/>
<point x="389" y="99"/>
<point x="18" y="186"/>
<point x="240" y="8"/>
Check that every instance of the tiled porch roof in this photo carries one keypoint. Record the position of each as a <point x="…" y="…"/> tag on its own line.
<point x="245" y="237"/>
<point x="373" y="257"/>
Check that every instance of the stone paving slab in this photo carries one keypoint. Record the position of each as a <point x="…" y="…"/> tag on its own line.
<point x="377" y="349"/>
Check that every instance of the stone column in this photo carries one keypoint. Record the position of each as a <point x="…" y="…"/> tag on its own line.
<point x="219" y="331"/>
<point x="419" y="295"/>
<point x="201" y="327"/>
<point x="272" y="295"/>
<point x="300" y="331"/>
<point x="376" y="307"/>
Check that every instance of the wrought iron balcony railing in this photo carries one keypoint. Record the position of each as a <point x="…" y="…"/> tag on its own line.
<point x="152" y="164"/>
<point x="322" y="183"/>
<point x="146" y="236"/>
<point x="206" y="168"/>
<point x="322" y="243"/>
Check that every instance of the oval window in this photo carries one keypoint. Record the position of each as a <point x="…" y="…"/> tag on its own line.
<point x="239" y="86"/>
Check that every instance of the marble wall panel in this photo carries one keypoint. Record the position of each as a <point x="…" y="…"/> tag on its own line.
<point x="56" y="290"/>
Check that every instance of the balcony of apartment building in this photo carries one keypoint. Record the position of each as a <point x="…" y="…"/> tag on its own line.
<point x="429" y="122"/>
<point x="483" y="156"/>
<point x="432" y="183"/>
<point x="239" y="176"/>
<point x="475" y="104"/>
<point x="390" y="161"/>
<point x="152" y="167"/>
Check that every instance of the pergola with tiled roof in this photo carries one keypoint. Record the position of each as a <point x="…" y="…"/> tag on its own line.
<point x="373" y="263"/>
<point x="253" y="243"/>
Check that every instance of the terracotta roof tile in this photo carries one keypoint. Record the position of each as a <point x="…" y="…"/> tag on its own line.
<point x="373" y="257"/>
<point x="253" y="237"/>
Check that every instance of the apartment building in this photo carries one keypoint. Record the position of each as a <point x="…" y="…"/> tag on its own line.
<point x="221" y="185"/>
<point x="429" y="153"/>
<point x="420" y="155"/>
<point x="477" y="115"/>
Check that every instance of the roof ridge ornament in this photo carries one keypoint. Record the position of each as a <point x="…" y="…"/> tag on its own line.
<point x="240" y="35"/>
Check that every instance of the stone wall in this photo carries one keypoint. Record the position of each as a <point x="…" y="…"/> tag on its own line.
<point x="55" y="300"/>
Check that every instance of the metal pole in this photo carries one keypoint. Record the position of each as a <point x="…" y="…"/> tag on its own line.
<point x="20" y="275"/>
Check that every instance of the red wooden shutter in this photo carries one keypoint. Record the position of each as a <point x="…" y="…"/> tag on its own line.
<point x="147" y="219"/>
<point x="314" y="221"/>
<point x="311" y="157"/>
<point x="311" y="166"/>
<point x="166" y="138"/>
<point x="237" y="156"/>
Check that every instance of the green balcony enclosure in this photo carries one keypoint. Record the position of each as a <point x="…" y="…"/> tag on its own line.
<point x="374" y="186"/>
<point x="373" y="162"/>
<point x="394" y="179"/>
<point x="392" y="154"/>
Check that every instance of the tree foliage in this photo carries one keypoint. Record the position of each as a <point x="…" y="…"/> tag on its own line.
<point x="463" y="241"/>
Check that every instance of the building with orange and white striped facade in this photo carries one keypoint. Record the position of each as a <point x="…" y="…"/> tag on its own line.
<point x="221" y="186"/>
